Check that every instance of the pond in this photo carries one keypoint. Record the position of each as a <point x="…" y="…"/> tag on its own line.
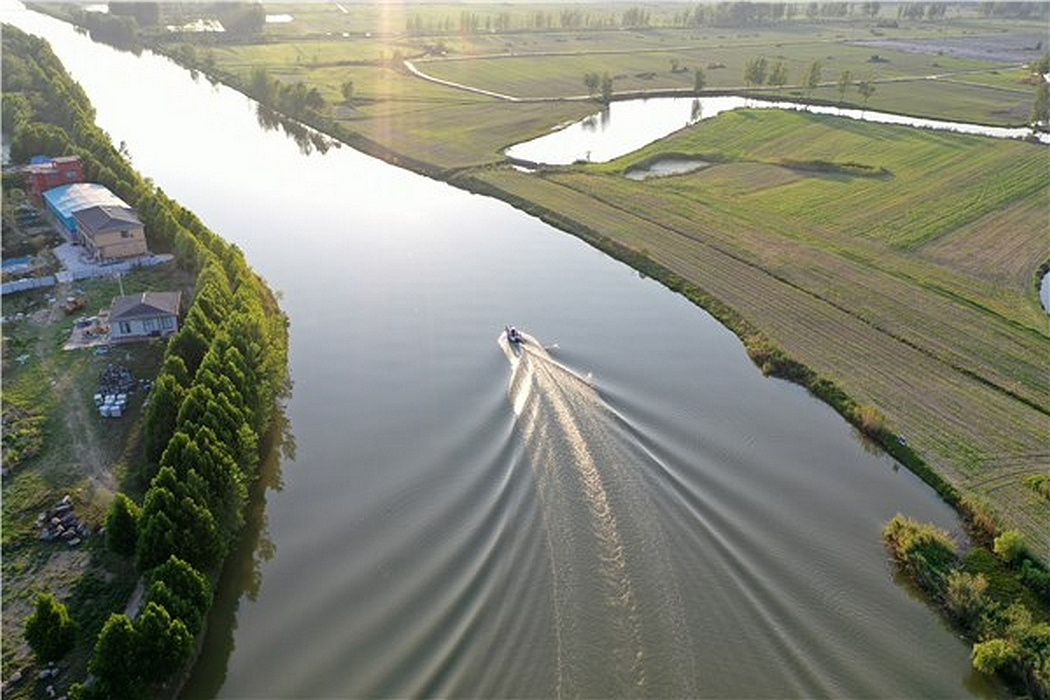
<point x="626" y="126"/>
<point x="663" y="167"/>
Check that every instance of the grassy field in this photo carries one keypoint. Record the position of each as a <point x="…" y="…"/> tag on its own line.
<point x="80" y="454"/>
<point x="897" y="264"/>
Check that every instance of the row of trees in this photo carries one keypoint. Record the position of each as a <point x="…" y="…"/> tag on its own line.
<point x="221" y="377"/>
<point x="599" y="85"/>
<point x="975" y="593"/>
<point x="295" y="100"/>
<point x="758" y="71"/>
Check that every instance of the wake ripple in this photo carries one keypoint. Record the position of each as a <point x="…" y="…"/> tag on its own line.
<point x="619" y="620"/>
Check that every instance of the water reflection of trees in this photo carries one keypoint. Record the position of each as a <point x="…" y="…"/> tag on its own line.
<point x="696" y="112"/>
<point x="242" y="575"/>
<point x="596" y="122"/>
<point x="306" y="138"/>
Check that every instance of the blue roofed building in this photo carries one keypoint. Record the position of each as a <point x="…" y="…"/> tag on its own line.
<point x="65" y="200"/>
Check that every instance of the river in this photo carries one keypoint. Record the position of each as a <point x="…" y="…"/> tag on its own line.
<point x="625" y="507"/>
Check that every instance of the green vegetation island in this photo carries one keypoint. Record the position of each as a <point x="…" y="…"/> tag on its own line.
<point x="159" y="499"/>
<point x="892" y="271"/>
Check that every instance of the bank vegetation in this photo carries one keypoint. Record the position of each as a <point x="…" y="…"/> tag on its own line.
<point x="195" y="452"/>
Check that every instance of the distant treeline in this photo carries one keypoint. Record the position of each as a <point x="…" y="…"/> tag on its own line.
<point x="721" y="14"/>
<point x="126" y="23"/>
<point x="212" y="402"/>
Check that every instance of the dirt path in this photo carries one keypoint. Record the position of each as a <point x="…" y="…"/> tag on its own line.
<point x="79" y="421"/>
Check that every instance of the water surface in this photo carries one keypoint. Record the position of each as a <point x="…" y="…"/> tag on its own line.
<point x="626" y="126"/>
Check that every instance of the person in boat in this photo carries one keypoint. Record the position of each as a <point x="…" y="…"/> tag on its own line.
<point x="513" y="335"/>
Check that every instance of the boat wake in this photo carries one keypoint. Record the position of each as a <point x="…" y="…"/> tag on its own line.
<point x="619" y="620"/>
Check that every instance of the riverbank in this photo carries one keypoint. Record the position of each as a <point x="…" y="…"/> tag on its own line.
<point x="193" y="491"/>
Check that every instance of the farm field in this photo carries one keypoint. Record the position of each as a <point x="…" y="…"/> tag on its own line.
<point x="905" y="273"/>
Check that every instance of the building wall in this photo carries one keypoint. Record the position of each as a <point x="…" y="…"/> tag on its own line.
<point x="60" y="173"/>
<point x="112" y="245"/>
<point x="143" y="328"/>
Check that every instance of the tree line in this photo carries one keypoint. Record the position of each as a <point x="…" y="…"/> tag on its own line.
<point x="127" y="25"/>
<point x="702" y="14"/>
<point x="220" y="381"/>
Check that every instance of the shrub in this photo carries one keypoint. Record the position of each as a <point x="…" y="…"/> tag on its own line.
<point x="965" y="597"/>
<point x="49" y="630"/>
<point x="994" y="655"/>
<point x="870" y="421"/>
<point x="980" y="517"/>
<point x="1009" y="546"/>
<point x="924" y="551"/>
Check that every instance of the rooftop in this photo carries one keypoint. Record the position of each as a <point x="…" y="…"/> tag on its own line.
<point x="144" y="305"/>
<point x="106" y="217"/>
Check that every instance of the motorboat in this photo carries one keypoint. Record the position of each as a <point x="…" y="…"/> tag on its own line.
<point x="514" y="336"/>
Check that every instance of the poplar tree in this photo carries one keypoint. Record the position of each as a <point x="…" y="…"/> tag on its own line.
<point x="122" y="526"/>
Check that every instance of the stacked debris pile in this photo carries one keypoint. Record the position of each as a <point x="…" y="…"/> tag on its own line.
<point x="114" y="388"/>
<point x="61" y="523"/>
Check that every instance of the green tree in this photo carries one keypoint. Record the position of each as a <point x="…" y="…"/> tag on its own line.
<point x="242" y="18"/>
<point x="174" y="366"/>
<point x="845" y="79"/>
<point x="176" y="520"/>
<point x="122" y="526"/>
<point x="778" y="76"/>
<point x="192" y="340"/>
<point x="813" y="77"/>
<point x="165" y="399"/>
<point x="592" y="81"/>
<point x="347" y="90"/>
<point x="866" y="88"/>
<point x="182" y="590"/>
<point x="115" y="663"/>
<point x="49" y="629"/>
<point x="1041" y="104"/>
<point x="606" y="88"/>
<point x="755" y="71"/>
<point x="260" y="85"/>
<point x="924" y="551"/>
<point x="164" y="643"/>
<point x="146" y="14"/>
<point x="699" y="80"/>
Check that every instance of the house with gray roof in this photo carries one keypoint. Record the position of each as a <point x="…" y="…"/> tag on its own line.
<point x="110" y="232"/>
<point x="145" y="315"/>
